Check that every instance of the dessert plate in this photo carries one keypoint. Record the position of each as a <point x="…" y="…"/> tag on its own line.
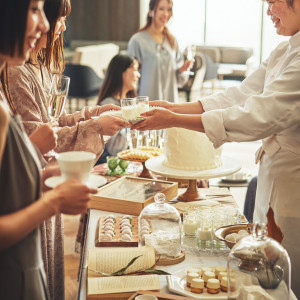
<point x="95" y="181"/>
<point x="177" y="284"/>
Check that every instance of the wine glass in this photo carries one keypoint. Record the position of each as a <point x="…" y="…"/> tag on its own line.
<point x="190" y="55"/>
<point x="57" y="99"/>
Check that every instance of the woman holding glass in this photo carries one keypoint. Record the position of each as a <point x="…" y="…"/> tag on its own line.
<point x="120" y="81"/>
<point x="29" y="87"/>
<point x="22" y="207"/>
<point x="163" y="68"/>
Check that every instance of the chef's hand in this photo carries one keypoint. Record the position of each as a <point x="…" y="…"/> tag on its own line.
<point x="156" y="119"/>
<point x="162" y="103"/>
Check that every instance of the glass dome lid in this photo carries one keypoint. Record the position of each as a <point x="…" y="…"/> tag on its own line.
<point x="160" y="227"/>
<point x="258" y="266"/>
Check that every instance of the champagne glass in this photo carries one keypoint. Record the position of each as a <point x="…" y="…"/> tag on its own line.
<point x="57" y="99"/>
<point x="190" y="55"/>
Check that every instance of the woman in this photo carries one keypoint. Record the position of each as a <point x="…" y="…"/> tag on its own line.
<point x="22" y="208"/>
<point x="120" y="82"/>
<point x="28" y="93"/>
<point x="162" y="70"/>
<point x="265" y="106"/>
<point x="29" y="88"/>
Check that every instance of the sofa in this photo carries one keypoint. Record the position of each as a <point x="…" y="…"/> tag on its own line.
<point x="234" y="62"/>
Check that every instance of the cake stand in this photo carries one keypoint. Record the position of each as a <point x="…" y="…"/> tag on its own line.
<point x="229" y="166"/>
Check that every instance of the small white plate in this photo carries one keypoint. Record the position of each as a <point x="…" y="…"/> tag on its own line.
<point x="177" y="284"/>
<point x="95" y="181"/>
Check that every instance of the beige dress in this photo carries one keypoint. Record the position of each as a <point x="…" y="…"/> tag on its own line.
<point x="77" y="132"/>
<point x="29" y="92"/>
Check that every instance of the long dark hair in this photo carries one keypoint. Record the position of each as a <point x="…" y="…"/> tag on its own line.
<point x="12" y="33"/>
<point x="113" y="81"/>
<point x="152" y="7"/>
<point x="53" y="55"/>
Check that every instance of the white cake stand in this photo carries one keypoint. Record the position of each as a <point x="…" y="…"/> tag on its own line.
<point x="229" y="166"/>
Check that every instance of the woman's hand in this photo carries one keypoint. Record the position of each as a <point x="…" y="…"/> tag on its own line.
<point x="107" y="107"/>
<point x="156" y="119"/>
<point x="70" y="197"/>
<point x="49" y="171"/>
<point x="44" y="138"/>
<point x="111" y="124"/>
<point x="187" y="65"/>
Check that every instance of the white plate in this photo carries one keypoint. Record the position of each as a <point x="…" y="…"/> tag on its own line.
<point x="177" y="284"/>
<point x="95" y="181"/>
<point x="229" y="166"/>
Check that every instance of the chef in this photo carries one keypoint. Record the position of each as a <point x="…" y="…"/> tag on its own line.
<point x="266" y="106"/>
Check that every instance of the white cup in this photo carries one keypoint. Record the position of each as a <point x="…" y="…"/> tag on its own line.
<point x="145" y="297"/>
<point x="76" y="164"/>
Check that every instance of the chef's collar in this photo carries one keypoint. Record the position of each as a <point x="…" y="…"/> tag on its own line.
<point x="295" y="40"/>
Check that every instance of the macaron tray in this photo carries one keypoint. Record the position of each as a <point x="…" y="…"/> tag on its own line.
<point x="121" y="231"/>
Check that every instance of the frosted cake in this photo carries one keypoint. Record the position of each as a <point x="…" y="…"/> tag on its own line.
<point x="190" y="150"/>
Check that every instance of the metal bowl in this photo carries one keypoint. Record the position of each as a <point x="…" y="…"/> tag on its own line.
<point x="223" y="231"/>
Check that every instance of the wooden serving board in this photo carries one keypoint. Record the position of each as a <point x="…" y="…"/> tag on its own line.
<point x="116" y="242"/>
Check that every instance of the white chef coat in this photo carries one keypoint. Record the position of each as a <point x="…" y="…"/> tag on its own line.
<point x="267" y="106"/>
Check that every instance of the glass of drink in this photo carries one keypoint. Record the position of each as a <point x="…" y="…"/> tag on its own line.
<point x="129" y="108"/>
<point x="57" y="99"/>
<point x="190" y="55"/>
<point x="57" y="96"/>
<point x="142" y="103"/>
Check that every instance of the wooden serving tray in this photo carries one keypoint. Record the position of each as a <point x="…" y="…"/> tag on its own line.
<point x="114" y="197"/>
<point x="160" y="296"/>
<point x="116" y="242"/>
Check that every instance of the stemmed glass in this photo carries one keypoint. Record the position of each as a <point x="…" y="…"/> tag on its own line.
<point x="190" y="55"/>
<point x="57" y="99"/>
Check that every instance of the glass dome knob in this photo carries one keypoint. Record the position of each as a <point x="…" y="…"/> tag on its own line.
<point x="160" y="198"/>
<point x="260" y="231"/>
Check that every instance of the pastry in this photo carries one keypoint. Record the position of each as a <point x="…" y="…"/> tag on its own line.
<point x="190" y="277"/>
<point x="224" y="284"/>
<point x="213" y="286"/>
<point x="219" y="269"/>
<point x="205" y="269"/>
<point x="197" y="285"/>
<point x="192" y="270"/>
<point x="221" y="275"/>
<point x="208" y="275"/>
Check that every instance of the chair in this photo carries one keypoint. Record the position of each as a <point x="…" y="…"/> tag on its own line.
<point x="84" y="83"/>
<point x="194" y="83"/>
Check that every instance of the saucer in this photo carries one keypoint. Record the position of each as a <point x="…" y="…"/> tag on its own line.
<point x="95" y="181"/>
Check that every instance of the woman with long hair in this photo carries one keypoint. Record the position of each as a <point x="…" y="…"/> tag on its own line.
<point x="163" y="67"/>
<point x="22" y="207"/>
<point x="120" y="81"/>
<point x="29" y="88"/>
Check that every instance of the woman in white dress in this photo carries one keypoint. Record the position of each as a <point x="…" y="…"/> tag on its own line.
<point x="163" y="67"/>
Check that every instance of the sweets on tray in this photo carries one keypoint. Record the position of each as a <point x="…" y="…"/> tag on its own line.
<point x="212" y="280"/>
<point x="141" y="153"/>
<point x="119" y="231"/>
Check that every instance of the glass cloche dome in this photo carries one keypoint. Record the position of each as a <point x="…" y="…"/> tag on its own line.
<point x="258" y="267"/>
<point x="160" y="227"/>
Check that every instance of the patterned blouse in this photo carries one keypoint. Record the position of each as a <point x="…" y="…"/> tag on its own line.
<point x="29" y="90"/>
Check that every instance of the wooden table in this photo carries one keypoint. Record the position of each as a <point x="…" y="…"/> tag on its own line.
<point x="193" y="256"/>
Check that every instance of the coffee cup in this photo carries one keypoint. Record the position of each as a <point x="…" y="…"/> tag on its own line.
<point x="76" y="165"/>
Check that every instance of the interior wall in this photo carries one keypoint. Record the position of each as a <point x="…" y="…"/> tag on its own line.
<point x="109" y="20"/>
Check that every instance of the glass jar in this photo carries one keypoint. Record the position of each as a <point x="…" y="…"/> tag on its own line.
<point x="258" y="266"/>
<point x="160" y="227"/>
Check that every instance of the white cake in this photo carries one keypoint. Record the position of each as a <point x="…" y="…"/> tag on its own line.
<point x="190" y="150"/>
